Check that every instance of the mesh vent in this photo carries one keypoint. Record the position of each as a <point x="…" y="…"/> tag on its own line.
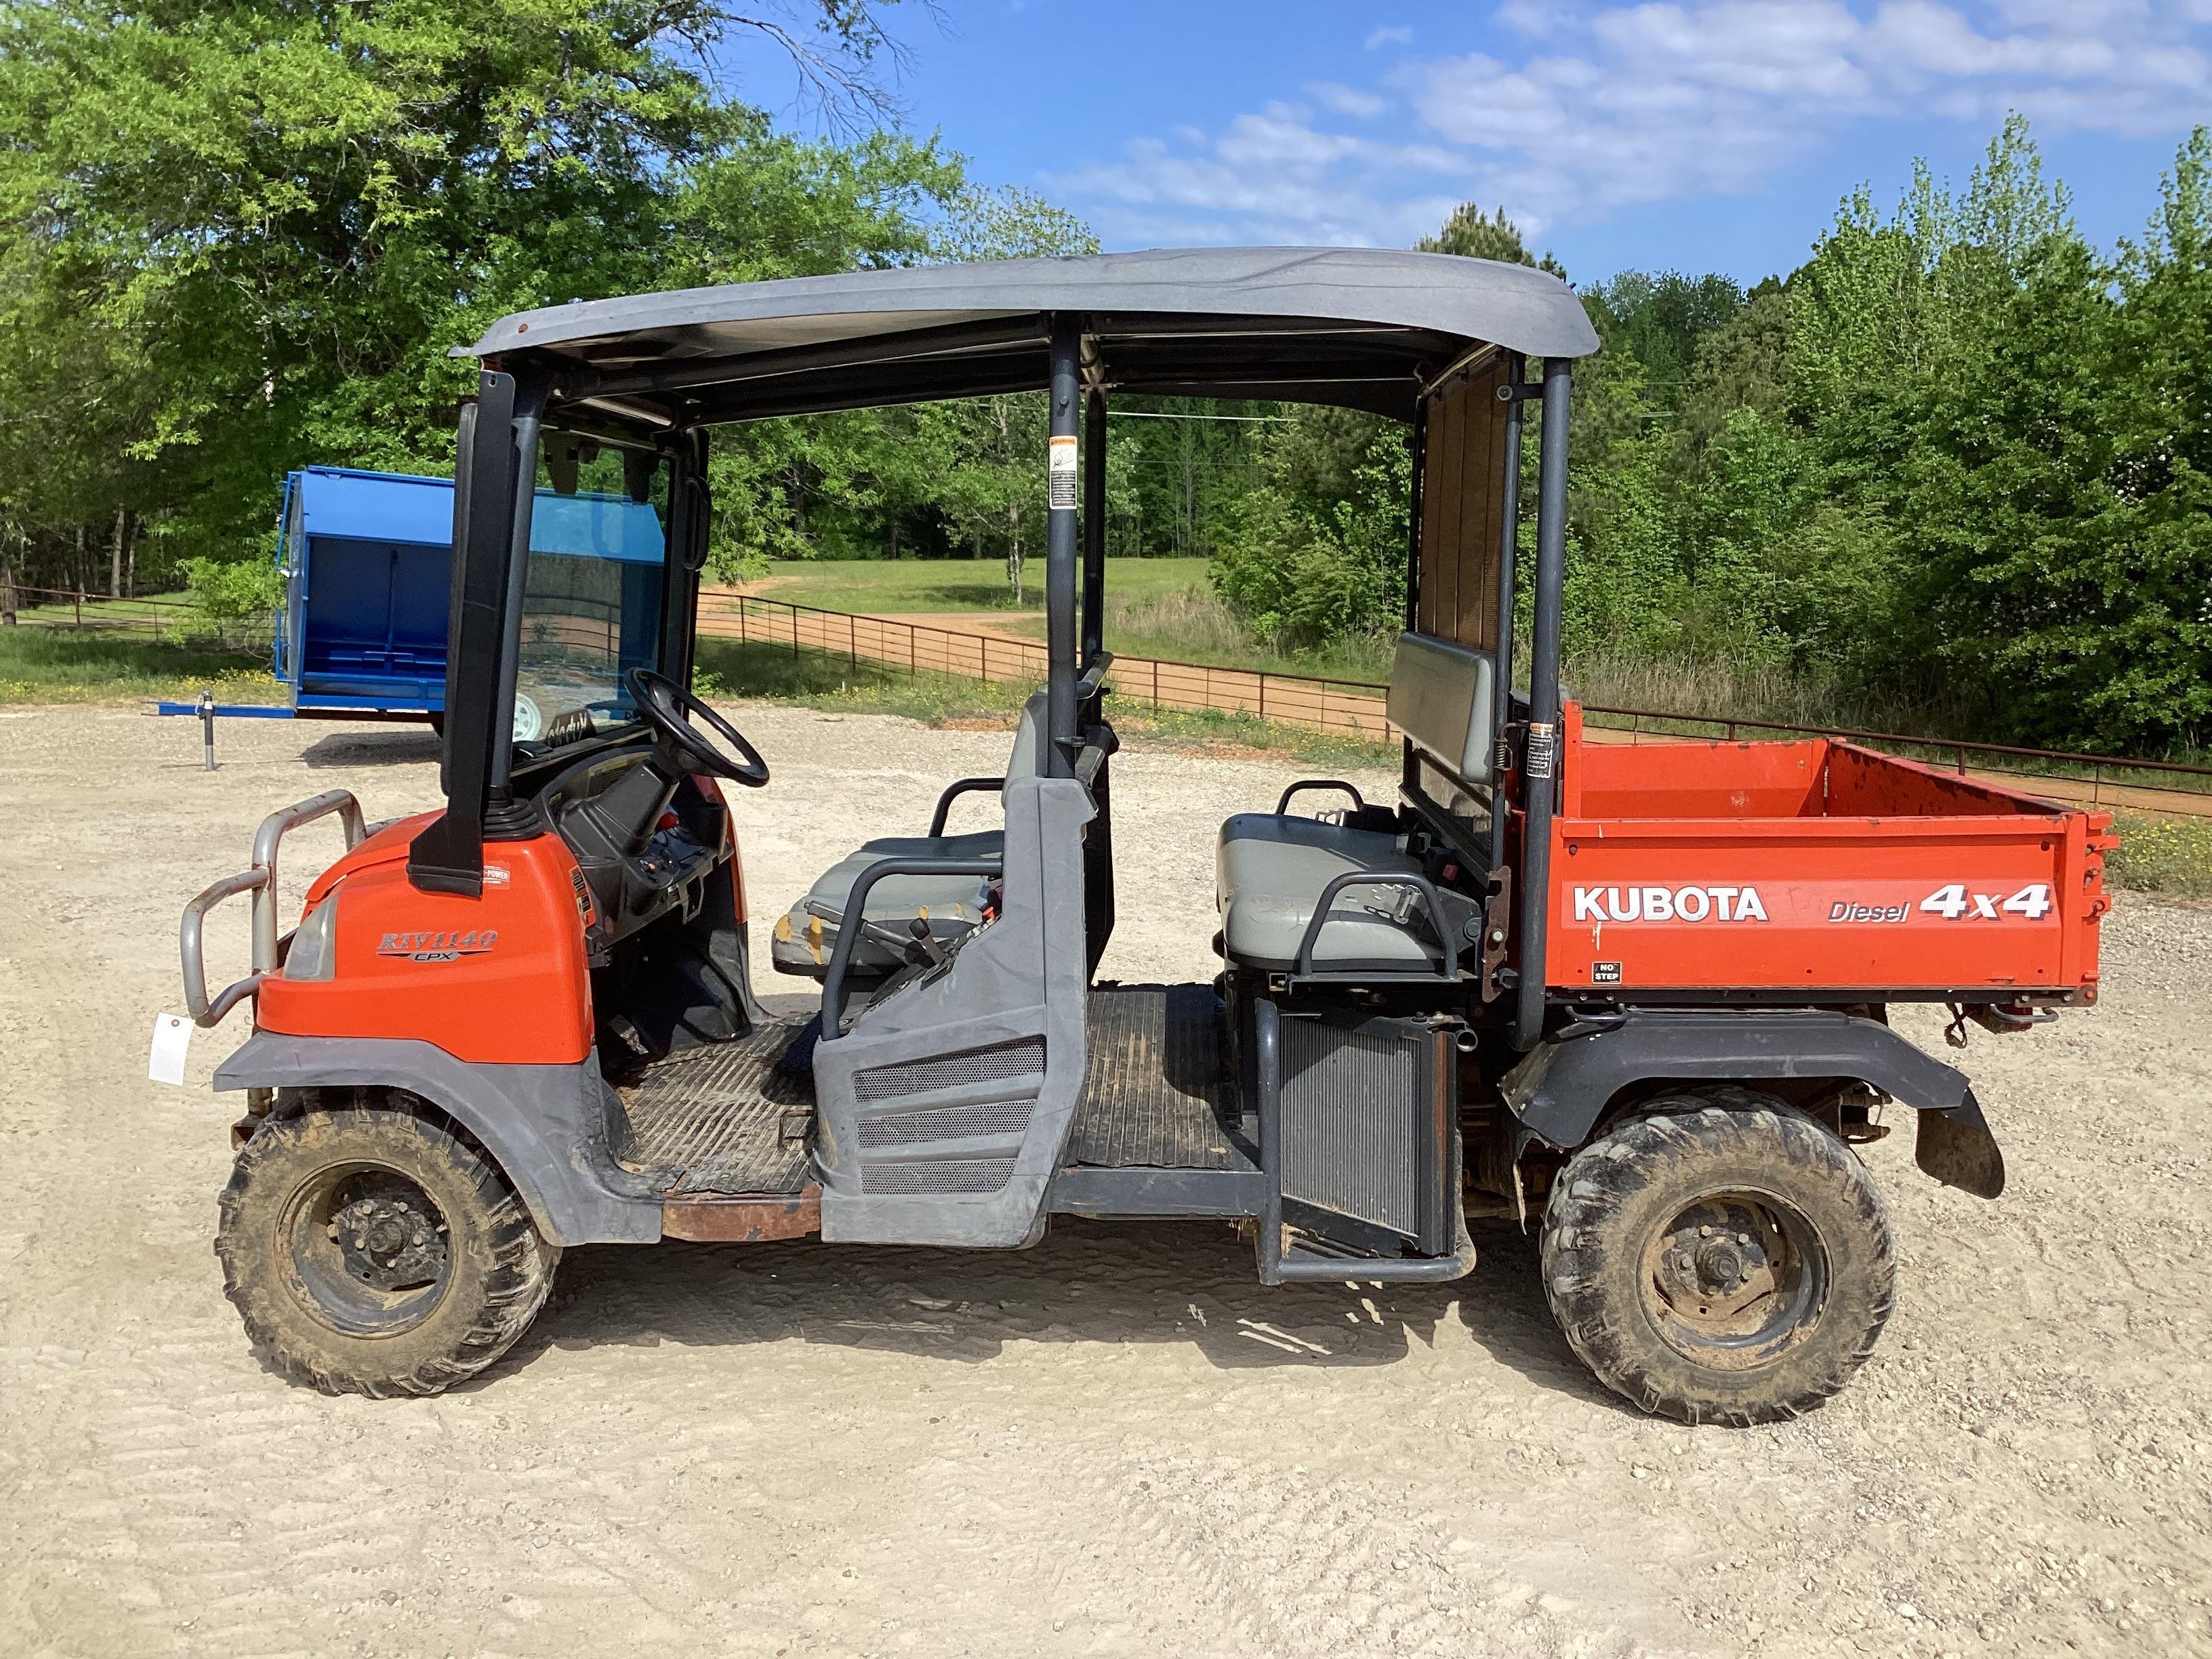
<point x="995" y="1064"/>
<point x="1352" y="1122"/>
<point x="1005" y="1118"/>
<point x="969" y="1174"/>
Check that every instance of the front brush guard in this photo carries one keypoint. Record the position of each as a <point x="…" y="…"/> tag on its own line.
<point x="261" y="882"/>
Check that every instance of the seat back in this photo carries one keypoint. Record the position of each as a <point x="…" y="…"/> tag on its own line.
<point x="1443" y="697"/>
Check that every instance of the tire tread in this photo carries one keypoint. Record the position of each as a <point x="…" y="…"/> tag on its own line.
<point x="1664" y="1138"/>
<point x="515" y="1288"/>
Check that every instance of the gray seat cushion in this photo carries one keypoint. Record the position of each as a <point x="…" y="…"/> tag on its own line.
<point x="803" y="939"/>
<point x="1268" y="875"/>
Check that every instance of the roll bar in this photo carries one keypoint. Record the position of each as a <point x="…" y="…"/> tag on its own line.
<point x="1302" y="964"/>
<point x="261" y="882"/>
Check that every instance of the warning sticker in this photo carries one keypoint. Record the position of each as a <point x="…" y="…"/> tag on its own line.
<point x="1543" y="748"/>
<point x="1061" y="476"/>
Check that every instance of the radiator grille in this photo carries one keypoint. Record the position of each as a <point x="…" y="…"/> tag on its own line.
<point x="1351" y="1121"/>
<point x="947" y="1123"/>
<point x="969" y="1174"/>
<point x="995" y="1064"/>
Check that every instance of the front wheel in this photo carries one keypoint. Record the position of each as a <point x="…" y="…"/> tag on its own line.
<point x="1719" y="1257"/>
<point x="373" y="1251"/>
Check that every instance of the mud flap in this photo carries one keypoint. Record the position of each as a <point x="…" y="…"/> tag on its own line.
<point x="1957" y="1148"/>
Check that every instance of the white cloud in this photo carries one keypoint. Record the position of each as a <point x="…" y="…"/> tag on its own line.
<point x="1608" y="105"/>
<point x="1335" y="96"/>
<point x="1274" y="176"/>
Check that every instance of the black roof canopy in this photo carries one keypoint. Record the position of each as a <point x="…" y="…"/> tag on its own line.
<point x="1359" y="327"/>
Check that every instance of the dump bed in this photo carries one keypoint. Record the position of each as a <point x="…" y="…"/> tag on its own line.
<point x="1820" y="866"/>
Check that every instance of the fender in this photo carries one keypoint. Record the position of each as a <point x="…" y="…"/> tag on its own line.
<point x="1560" y="1090"/>
<point x="544" y="1126"/>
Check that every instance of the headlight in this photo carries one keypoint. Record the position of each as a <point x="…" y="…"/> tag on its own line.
<point x="314" y="952"/>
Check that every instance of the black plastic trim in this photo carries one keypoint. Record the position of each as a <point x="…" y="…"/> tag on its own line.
<point x="953" y="791"/>
<point x="1561" y="1090"/>
<point x="447" y="856"/>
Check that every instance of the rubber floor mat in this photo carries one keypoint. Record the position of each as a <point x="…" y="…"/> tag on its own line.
<point x="1153" y="1096"/>
<point x="715" y="1119"/>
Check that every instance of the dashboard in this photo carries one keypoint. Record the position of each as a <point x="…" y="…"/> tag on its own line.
<point x="646" y="838"/>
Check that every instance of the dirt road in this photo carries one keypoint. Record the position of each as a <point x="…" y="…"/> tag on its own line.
<point x="1116" y="1443"/>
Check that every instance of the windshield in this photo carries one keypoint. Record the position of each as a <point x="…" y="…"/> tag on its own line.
<point x="591" y="602"/>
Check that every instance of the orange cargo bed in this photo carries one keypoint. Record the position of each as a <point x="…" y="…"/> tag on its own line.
<point x="1704" y="866"/>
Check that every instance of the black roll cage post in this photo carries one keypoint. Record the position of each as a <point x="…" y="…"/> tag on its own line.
<point x="1540" y="764"/>
<point x="1514" y="393"/>
<point x="690" y="519"/>
<point x="495" y="489"/>
<point x="495" y="483"/>
<point x="1061" y="490"/>
<point x="1093" y="525"/>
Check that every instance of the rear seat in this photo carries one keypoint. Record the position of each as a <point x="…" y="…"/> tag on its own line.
<point x="951" y="904"/>
<point x="1271" y="867"/>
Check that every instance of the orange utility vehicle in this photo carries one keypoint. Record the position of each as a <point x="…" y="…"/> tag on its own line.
<point x="1635" y="997"/>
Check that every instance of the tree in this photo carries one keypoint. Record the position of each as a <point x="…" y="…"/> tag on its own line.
<point x="2059" y="490"/>
<point x="1660" y="320"/>
<point x="1474" y="235"/>
<point x="262" y="228"/>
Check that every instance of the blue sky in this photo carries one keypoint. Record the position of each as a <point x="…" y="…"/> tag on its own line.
<point x="1689" y="136"/>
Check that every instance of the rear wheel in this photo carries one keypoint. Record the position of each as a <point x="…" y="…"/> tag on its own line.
<point x="373" y="1251"/>
<point x="1719" y="1257"/>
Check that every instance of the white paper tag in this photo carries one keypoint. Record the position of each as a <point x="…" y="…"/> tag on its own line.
<point x="1060" y="475"/>
<point x="173" y="1036"/>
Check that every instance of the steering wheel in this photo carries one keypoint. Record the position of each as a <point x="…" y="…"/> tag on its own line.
<point x="668" y="709"/>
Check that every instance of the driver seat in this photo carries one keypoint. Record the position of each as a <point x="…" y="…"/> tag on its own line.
<point x="953" y="905"/>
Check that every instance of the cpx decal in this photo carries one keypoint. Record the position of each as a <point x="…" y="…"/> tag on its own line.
<point x="437" y="947"/>
<point x="1668" y="904"/>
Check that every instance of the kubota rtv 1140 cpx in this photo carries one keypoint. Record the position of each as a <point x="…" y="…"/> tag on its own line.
<point x="1635" y="995"/>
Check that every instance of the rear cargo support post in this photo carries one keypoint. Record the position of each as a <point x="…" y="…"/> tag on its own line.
<point x="1094" y="526"/>
<point x="1539" y="764"/>
<point x="1409" y="765"/>
<point x="1062" y="471"/>
<point x="1509" y="550"/>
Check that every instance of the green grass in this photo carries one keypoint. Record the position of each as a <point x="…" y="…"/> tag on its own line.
<point x="731" y="668"/>
<point x="50" y="665"/>
<point x="1191" y="624"/>
<point x="889" y="586"/>
<point x="2162" y="855"/>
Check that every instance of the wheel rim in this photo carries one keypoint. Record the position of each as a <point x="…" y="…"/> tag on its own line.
<point x="1736" y="1278"/>
<point x="372" y="1253"/>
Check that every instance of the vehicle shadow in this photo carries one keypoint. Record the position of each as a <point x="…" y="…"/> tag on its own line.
<point x="388" y="746"/>
<point x="1192" y="1283"/>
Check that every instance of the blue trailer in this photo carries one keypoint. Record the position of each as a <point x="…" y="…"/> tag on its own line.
<point x="368" y="560"/>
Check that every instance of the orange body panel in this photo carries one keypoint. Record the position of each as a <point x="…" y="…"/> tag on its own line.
<point x="1713" y="865"/>
<point x="499" y="979"/>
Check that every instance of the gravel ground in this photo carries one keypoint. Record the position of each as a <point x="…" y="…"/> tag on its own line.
<point x="1116" y="1443"/>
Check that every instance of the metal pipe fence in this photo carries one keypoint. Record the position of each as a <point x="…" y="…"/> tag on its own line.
<point x="86" y="608"/>
<point x="1357" y="707"/>
<point x="1315" y="702"/>
<point x="1347" y="707"/>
